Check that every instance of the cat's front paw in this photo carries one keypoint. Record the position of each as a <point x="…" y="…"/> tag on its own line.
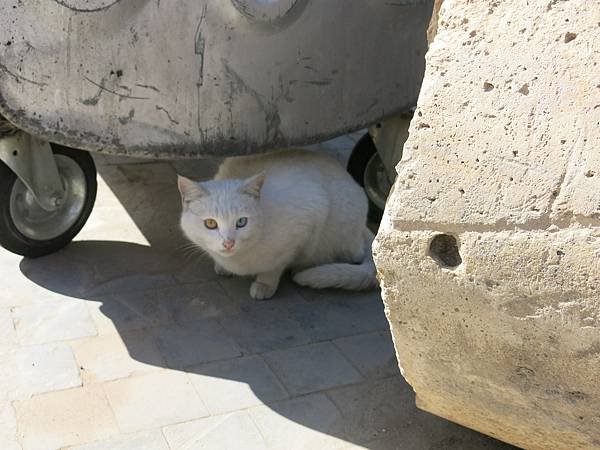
<point x="261" y="291"/>
<point x="222" y="271"/>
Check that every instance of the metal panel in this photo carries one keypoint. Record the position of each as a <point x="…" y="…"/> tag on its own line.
<point x="187" y="78"/>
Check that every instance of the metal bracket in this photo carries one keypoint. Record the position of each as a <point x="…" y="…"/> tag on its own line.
<point x="389" y="137"/>
<point x="32" y="160"/>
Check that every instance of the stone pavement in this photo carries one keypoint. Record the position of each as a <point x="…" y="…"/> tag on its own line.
<point x="127" y="340"/>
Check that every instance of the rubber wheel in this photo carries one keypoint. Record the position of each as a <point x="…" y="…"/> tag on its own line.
<point x="363" y="151"/>
<point x="14" y="240"/>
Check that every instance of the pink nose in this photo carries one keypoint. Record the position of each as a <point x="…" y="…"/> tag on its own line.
<point x="228" y="244"/>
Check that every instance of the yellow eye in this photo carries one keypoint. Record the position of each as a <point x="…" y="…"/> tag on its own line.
<point x="211" y="224"/>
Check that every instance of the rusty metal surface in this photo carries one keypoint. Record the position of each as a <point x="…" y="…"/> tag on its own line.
<point x="189" y="78"/>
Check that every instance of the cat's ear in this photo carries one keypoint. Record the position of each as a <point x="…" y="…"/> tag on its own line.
<point x="253" y="185"/>
<point x="189" y="190"/>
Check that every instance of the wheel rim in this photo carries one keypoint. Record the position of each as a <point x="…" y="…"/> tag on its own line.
<point x="32" y="221"/>
<point x="376" y="182"/>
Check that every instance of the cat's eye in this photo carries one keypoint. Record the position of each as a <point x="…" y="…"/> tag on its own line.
<point x="241" y="222"/>
<point x="211" y="224"/>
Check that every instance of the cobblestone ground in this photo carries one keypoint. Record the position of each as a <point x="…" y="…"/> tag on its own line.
<point x="125" y="341"/>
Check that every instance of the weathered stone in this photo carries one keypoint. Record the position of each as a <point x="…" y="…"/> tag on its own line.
<point x="64" y="418"/>
<point x="45" y="368"/>
<point x="497" y="323"/>
<point x="224" y="432"/>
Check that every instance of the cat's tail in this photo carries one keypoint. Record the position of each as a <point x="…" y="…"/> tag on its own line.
<point x="355" y="277"/>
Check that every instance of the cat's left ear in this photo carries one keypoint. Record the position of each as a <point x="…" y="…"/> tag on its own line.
<point x="253" y="185"/>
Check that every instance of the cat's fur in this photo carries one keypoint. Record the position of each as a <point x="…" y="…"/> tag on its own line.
<point x="305" y="213"/>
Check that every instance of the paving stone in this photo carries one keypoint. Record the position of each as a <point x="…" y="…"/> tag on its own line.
<point x="312" y="368"/>
<point x="229" y="431"/>
<point x="64" y="273"/>
<point x="44" y="368"/>
<point x="234" y="384"/>
<point x="8" y="427"/>
<point x="135" y="310"/>
<point x="307" y="422"/>
<point x="372" y="354"/>
<point x="8" y="336"/>
<point x="323" y="295"/>
<point x="372" y="409"/>
<point x="148" y="192"/>
<point x="103" y="267"/>
<point x="191" y="266"/>
<point x="131" y="283"/>
<point x="59" y="419"/>
<point x="111" y="316"/>
<point x="132" y="310"/>
<point x="442" y="439"/>
<point x="238" y="288"/>
<point x="335" y="317"/>
<point x="191" y="302"/>
<point x="145" y="440"/>
<point x="373" y="413"/>
<point x="17" y="290"/>
<point x="48" y="322"/>
<point x="184" y="345"/>
<point x="110" y="357"/>
<point x="110" y="221"/>
<point x="10" y="385"/>
<point x="153" y="400"/>
<point x="268" y="328"/>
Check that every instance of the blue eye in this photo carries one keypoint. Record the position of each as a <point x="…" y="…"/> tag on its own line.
<point x="241" y="222"/>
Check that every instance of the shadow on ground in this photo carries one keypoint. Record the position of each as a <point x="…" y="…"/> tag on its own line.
<point x="158" y="297"/>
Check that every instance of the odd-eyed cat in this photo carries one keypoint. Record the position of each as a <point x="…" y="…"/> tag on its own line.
<point x="262" y="215"/>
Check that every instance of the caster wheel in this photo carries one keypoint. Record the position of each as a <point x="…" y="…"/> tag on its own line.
<point x="29" y="230"/>
<point x="367" y="169"/>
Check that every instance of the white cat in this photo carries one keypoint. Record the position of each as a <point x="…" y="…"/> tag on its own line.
<point x="293" y="209"/>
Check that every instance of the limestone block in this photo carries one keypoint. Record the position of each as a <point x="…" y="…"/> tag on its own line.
<point x="489" y="250"/>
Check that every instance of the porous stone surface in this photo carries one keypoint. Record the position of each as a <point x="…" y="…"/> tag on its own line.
<point x="496" y="325"/>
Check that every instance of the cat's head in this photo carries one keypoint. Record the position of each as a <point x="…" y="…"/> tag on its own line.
<point x="223" y="216"/>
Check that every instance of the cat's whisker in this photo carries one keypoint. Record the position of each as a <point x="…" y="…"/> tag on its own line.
<point x="191" y="250"/>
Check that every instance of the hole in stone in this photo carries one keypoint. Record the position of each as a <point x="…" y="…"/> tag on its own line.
<point x="524" y="89"/>
<point x="444" y="249"/>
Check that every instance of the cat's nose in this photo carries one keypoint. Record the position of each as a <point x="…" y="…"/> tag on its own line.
<point x="228" y="244"/>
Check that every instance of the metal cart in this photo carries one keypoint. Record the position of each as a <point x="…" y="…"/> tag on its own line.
<point x="190" y="79"/>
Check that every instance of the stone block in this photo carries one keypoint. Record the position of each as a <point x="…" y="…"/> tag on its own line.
<point x="312" y="368"/>
<point x="278" y="423"/>
<point x="489" y="250"/>
<point x="48" y="322"/>
<point x="44" y="368"/>
<point x="153" y="400"/>
<point x="64" y="418"/>
<point x="235" y="384"/>
<point x="229" y="431"/>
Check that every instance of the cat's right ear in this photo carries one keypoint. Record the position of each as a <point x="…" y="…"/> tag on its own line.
<point x="253" y="185"/>
<point x="189" y="190"/>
